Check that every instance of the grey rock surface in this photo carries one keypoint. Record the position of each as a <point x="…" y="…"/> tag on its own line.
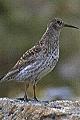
<point x="15" y="109"/>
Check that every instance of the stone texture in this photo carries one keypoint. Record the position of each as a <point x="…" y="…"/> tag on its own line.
<point x="14" y="109"/>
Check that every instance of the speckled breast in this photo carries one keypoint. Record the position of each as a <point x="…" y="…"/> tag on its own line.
<point x="49" y="64"/>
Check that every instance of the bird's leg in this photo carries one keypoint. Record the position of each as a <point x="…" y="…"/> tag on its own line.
<point x="25" y="95"/>
<point x="34" y="92"/>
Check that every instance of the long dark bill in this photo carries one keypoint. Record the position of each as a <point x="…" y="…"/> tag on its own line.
<point x="66" y="25"/>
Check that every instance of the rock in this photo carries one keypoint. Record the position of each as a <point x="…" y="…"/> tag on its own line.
<point x="16" y="109"/>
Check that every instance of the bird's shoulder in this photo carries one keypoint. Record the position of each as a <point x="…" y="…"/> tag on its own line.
<point x="29" y="56"/>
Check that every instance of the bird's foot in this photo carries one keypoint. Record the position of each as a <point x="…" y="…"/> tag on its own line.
<point x="35" y="99"/>
<point x="26" y="98"/>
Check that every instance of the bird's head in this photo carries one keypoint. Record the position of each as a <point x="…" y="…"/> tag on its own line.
<point x="58" y="24"/>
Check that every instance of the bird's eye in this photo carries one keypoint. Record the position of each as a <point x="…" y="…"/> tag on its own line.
<point x="59" y="22"/>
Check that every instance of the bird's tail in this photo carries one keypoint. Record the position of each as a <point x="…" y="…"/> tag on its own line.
<point x="1" y="78"/>
<point x="9" y="76"/>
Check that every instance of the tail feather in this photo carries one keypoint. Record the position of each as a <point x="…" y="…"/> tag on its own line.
<point x="9" y="76"/>
<point x="1" y="77"/>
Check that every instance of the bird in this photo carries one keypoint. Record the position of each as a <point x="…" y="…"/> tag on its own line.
<point x="40" y="59"/>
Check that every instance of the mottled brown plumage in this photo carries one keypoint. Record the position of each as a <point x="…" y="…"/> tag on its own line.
<point x="40" y="59"/>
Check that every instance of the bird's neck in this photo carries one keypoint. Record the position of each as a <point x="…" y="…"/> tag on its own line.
<point x="51" y="38"/>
